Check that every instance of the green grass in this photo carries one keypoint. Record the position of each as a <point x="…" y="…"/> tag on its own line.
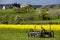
<point x="19" y="34"/>
<point x="11" y="14"/>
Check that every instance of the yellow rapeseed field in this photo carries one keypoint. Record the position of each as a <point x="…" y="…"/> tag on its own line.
<point x="26" y="26"/>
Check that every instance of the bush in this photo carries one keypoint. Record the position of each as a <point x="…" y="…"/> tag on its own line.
<point x="17" y="19"/>
<point x="45" y="17"/>
<point x="16" y="9"/>
<point x="4" y="21"/>
<point x="31" y="18"/>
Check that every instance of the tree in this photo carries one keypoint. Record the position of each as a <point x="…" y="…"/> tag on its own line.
<point x="45" y="7"/>
<point x="26" y="9"/>
<point x="16" y="5"/>
<point x="44" y="15"/>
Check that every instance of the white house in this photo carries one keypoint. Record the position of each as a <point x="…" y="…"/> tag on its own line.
<point x="24" y="5"/>
<point x="3" y="7"/>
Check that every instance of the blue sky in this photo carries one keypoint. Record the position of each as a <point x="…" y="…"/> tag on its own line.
<point x="33" y="2"/>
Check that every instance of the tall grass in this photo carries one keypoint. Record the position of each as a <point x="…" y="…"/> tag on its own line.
<point x="21" y="34"/>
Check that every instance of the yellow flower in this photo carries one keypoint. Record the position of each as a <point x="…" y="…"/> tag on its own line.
<point x="26" y="26"/>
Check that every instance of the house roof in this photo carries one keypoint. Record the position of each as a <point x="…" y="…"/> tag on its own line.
<point x="32" y="2"/>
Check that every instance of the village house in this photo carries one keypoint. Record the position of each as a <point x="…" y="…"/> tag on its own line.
<point x="4" y="6"/>
<point x="24" y="5"/>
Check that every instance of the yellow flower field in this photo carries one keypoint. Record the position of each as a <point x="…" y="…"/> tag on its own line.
<point x="26" y="26"/>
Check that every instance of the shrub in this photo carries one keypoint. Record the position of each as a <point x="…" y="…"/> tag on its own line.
<point x="31" y="18"/>
<point x="16" y="9"/>
<point x="45" y="17"/>
<point x="4" y="21"/>
<point x="17" y="19"/>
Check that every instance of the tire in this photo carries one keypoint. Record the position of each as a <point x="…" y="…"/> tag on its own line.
<point x="51" y="34"/>
<point x="41" y="34"/>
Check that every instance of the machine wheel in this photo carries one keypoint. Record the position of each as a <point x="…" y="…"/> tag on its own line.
<point x="31" y="30"/>
<point x="51" y="34"/>
<point x="42" y="34"/>
<point x="30" y="34"/>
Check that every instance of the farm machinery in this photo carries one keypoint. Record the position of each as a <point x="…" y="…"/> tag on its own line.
<point x="42" y="33"/>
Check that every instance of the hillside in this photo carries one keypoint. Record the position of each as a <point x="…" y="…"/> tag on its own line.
<point x="30" y="14"/>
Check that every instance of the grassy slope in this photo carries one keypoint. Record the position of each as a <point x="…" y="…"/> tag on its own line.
<point x="12" y="14"/>
<point x="17" y="34"/>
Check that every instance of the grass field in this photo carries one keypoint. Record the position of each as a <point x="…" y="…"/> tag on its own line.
<point x="29" y="17"/>
<point x="19" y="34"/>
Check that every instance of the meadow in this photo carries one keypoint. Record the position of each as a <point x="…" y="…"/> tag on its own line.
<point x="19" y="32"/>
<point x="10" y="16"/>
<point x="15" y="23"/>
